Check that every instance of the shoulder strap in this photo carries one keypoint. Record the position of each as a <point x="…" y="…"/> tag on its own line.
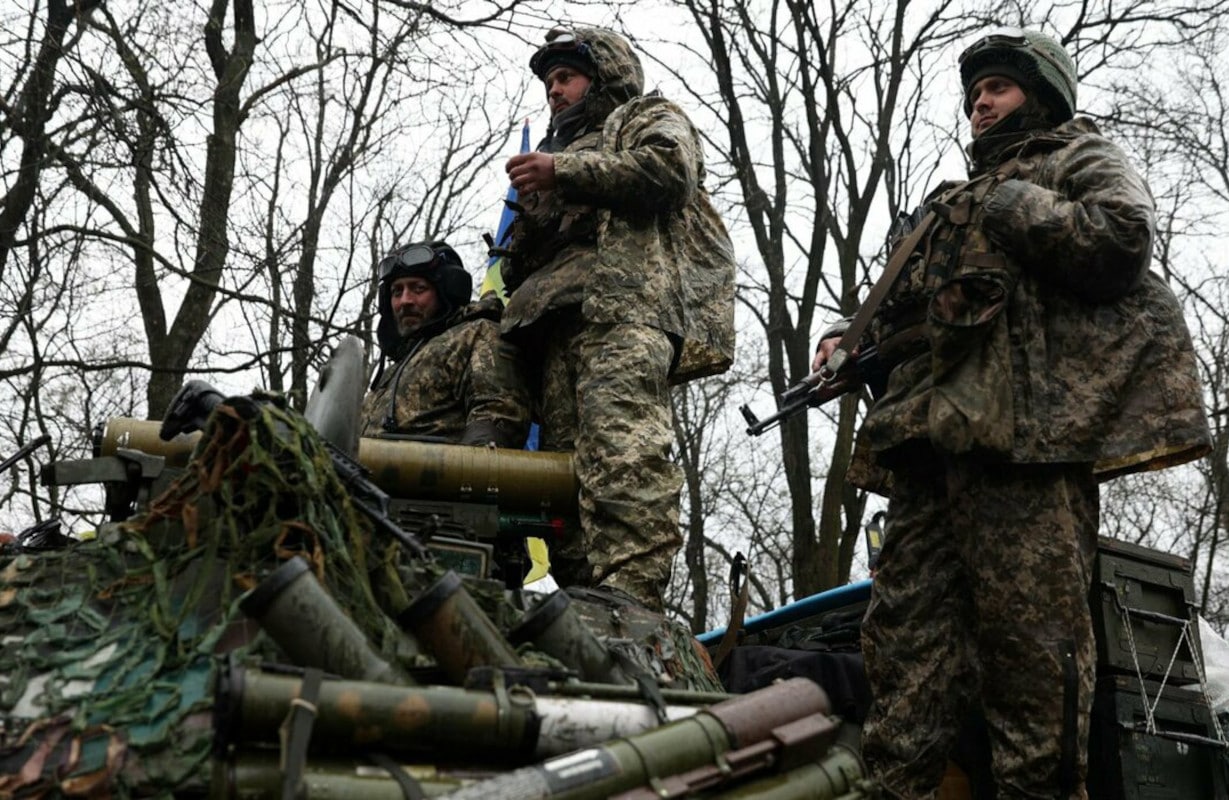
<point x="853" y="334"/>
<point x="900" y="256"/>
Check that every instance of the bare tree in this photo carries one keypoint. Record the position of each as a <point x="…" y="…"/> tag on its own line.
<point x="824" y="131"/>
<point x="30" y="101"/>
<point x="812" y="104"/>
<point x="202" y="170"/>
<point x="1169" y="106"/>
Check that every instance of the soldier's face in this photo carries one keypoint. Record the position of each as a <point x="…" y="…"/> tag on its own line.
<point x="415" y="303"/>
<point x="565" y="87"/>
<point x="993" y="98"/>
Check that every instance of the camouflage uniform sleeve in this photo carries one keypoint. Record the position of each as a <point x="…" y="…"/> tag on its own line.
<point x="1086" y="224"/>
<point x="496" y="391"/>
<point x="655" y="168"/>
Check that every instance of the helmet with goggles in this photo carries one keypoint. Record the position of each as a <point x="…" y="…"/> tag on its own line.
<point x="1036" y="61"/>
<point x="563" y="48"/>
<point x="436" y="263"/>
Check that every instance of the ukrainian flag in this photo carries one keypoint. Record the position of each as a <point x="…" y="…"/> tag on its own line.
<point x="494" y="280"/>
<point x="539" y="555"/>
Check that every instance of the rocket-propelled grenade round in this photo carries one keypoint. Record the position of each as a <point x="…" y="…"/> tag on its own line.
<point x="512" y="725"/>
<point x="515" y="480"/>
<point x="669" y="750"/>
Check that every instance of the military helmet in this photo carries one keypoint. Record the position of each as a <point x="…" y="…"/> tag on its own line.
<point x="605" y="56"/>
<point x="563" y="48"/>
<point x="1040" y="60"/>
<point x="439" y="264"/>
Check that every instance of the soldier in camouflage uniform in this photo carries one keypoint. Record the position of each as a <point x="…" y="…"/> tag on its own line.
<point x="622" y="279"/>
<point x="1028" y="352"/>
<point x="453" y="378"/>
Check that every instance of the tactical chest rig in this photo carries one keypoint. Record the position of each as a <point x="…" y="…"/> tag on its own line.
<point x="936" y="316"/>
<point x="545" y="225"/>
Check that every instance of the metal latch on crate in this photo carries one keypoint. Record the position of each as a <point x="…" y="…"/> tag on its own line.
<point x="1142" y="613"/>
<point x="1177" y="736"/>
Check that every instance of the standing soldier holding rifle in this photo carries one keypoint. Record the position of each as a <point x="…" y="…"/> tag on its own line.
<point x="1028" y="352"/>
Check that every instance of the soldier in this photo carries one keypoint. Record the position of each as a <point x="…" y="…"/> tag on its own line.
<point x="622" y="283"/>
<point x="1027" y="352"/>
<point x="454" y="379"/>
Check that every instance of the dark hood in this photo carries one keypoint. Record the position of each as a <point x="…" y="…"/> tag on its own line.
<point x="618" y="77"/>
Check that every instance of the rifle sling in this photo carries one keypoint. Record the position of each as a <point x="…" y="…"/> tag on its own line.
<point x="733" y="631"/>
<point x="900" y="256"/>
<point x="410" y="788"/>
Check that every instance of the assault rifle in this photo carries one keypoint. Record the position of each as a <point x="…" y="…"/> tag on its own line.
<point x="816" y="389"/>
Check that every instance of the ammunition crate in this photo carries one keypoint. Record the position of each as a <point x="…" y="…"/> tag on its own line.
<point x="1180" y="761"/>
<point x="1157" y="594"/>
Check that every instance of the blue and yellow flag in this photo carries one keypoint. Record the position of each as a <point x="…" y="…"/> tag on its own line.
<point x="539" y="555"/>
<point x="494" y="280"/>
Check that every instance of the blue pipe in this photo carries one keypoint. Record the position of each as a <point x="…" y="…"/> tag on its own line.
<point x="801" y="609"/>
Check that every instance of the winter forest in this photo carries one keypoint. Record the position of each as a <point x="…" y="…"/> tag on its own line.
<point x="203" y="189"/>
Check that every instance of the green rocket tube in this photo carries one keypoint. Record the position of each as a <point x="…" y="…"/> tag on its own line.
<point x="446" y="620"/>
<point x="554" y="627"/>
<point x="524" y="481"/>
<point x="672" y="749"/>
<point x="308" y="625"/>
<point x="257" y="776"/>
<point x="836" y="777"/>
<point x="251" y="706"/>
<point x="509" y="725"/>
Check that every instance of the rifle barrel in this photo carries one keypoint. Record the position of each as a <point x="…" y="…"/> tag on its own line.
<point x="25" y="451"/>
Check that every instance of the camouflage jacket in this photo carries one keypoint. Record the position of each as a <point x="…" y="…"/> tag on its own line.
<point x="1046" y="339"/>
<point x="458" y="381"/>
<point x="636" y="238"/>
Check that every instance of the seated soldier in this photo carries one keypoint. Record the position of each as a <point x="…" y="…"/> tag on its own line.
<point x="454" y="379"/>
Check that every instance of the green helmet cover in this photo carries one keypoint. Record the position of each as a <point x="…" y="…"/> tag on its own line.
<point x="1040" y="59"/>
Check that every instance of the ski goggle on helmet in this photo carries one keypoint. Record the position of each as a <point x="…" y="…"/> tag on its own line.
<point x="563" y="47"/>
<point x="413" y="260"/>
<point x="1042" y="60"/>
<point x="437" y="263"/>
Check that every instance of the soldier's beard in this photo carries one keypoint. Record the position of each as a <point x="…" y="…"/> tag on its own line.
<point x="408" y="323"/>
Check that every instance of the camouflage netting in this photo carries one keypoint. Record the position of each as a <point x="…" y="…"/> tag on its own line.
<point x="110" y="646"/>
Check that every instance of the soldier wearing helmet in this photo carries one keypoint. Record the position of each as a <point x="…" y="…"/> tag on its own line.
<point x="452" y="377"/>
<point x="1027" y="353"/>
<point x="622" y="279"/>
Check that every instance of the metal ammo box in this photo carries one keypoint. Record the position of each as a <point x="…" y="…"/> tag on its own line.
<point x="1141" y="602"/>
<point x="1179" y="758"/>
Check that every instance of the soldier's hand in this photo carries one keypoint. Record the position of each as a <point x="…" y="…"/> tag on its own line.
<point x="824" y="352"/>
<point x="531" y="172"/>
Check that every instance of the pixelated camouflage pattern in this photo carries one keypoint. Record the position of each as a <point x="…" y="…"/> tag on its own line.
<point x="636" y="239"/>
<point x="461" y="383"/>
<point x="606" y="396"/>
<point x="971" y="606"/>
<point x="1092" y="345"/>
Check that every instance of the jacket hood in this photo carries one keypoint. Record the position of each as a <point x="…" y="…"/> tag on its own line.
<point x="619" y="74"/>
<point x="616" y="75"/>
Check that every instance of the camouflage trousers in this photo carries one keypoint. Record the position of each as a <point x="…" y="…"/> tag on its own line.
<point x="981" y="597"/>
<point x="605" y="395"/>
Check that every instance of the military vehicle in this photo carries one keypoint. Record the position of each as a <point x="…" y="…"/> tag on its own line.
<point x="273" y="613"/>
